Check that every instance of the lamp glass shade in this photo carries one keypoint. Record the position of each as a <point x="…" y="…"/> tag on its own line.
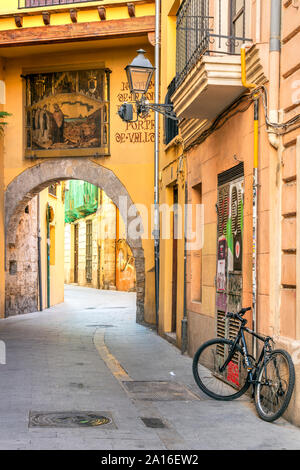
<point x="139" y="78"/>
<point x="139" y="73"/>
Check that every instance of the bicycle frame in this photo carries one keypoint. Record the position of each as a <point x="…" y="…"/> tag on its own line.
<point x="263" y="355"/>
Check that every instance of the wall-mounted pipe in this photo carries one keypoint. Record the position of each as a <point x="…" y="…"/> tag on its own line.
<point x="275" y="26"/>
<point x="276" y="142"/>
<point x="255" y="220"/>
<point x="156" y="160"/>
<point x="243" y="69"/>
<point x="274" y="66"/>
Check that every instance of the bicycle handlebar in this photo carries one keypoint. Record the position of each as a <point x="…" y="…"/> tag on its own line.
<point x="238" y="315"/>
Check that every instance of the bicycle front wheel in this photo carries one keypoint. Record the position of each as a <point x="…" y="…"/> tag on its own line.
<point x="275" y="385"/>
<point x="209" y="375"/>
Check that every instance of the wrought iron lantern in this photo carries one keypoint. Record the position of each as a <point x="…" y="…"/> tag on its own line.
<point x="139" y="73"/>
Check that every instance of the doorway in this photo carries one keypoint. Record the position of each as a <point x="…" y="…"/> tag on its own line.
<point x="89" y="251"/>
<point x="229" y="273"/>
<point x="76" y="246"/>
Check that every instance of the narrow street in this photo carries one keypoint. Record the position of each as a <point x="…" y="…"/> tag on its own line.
<point x="78" y="355"/>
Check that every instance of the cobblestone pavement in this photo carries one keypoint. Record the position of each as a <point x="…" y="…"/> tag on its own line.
<point x="75" y="357"/>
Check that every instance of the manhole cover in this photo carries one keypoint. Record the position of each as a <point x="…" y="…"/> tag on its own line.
<point x="155" y="423"/>
<point x="71" y="419"/>
<point x="159" y="391"/>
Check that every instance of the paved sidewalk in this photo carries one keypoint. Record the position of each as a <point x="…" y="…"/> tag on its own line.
<point x="75" y="357"/>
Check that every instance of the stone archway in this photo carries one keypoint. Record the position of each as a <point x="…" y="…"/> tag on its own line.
<point x="29" y="183"/>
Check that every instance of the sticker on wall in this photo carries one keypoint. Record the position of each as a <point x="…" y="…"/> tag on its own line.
<point x="221" y="268"/>
<point x="221" y="276"/>
<point x="237" y="252"/>
<point x="237" y="223"/>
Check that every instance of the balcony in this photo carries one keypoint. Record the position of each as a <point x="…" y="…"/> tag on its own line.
<point x="208" y="71"/>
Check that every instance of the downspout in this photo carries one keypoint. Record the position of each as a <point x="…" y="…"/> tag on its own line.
<point x="255" y="221"/>
<point x="39" y="255"/>
<point x="156" y="161"/>
<point x="254" y="192"/>
<point x="276" y="142"/>
<point x="274" y="65"/>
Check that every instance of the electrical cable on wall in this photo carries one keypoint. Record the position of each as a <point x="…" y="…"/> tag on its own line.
<point x="231" y="111"/>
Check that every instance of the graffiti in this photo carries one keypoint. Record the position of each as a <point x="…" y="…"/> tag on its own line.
<point x="229" y="281"/>
<point x="237" y="224"/>
<point x="233" y="375"/>
<point x="235" y="283"/>
<point x="221" y="301"/>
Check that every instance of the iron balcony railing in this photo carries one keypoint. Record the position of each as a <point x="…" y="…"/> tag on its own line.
<point x="200" y="33"/>
<point x="47" y="3"/>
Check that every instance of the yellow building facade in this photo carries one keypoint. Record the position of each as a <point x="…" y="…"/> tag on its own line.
<point x="95" y="43"/>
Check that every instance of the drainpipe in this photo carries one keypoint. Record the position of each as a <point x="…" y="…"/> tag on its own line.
<point x="255" y="221"/>
<point x="254" y="191"/>
<point x="156" y="161"/>
<point x="276" y="143"/>
<point x="39" y="255"/>
<point x="274" y="64"/>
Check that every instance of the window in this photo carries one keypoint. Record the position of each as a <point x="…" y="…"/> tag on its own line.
<point x="171" y="126"/>
<point x="237" y="24"/>
<point x="52" y="189"/>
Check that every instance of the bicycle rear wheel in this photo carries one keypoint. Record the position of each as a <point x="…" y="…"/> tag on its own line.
<point x="220" y="385"/>
<point x="276" y="380"/>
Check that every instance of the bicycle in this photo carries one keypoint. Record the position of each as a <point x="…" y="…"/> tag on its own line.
<point x="224" y="370"/>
